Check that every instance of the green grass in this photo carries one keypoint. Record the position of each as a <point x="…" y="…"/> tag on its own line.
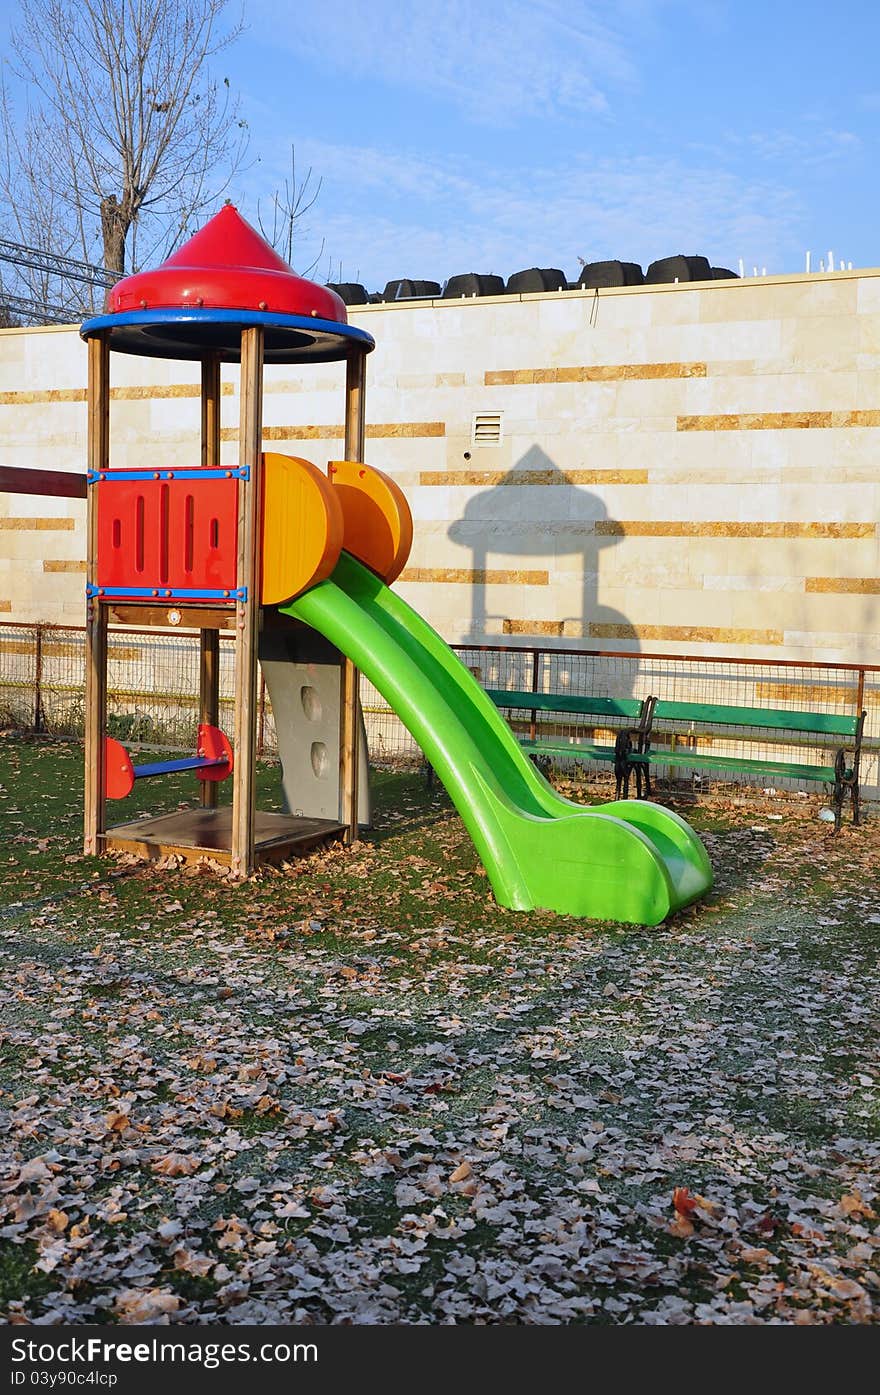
<point x="18" y="1275"/>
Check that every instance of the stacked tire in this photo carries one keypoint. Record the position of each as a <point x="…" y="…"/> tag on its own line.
<point x="470" y="284"/>
<point x="349" y="292"/>
<point x="604" y="275"/>
<point x="679" y="268"/>
<point x="535" y="280"/>
<point x="410" y="290"/>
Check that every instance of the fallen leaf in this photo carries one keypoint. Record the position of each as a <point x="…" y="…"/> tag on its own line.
<point x="191" y="1263"/>
<point x="136" y="1305"/>
<point x="176" y="1165"/>
<point x="681" y="1226"/>
<point x="852" y="1204"/>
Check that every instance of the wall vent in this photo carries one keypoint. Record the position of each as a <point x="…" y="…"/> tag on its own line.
<point x="487" y="429"/>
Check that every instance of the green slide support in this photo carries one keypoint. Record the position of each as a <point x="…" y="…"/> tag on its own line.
<point x="629" y="860"/>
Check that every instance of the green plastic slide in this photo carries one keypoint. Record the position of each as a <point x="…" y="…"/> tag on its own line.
<point x="628" y="860"/>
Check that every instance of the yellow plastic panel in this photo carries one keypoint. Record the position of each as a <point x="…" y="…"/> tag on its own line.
<point x="378" y="522"/>
<point x="302" y="527"/>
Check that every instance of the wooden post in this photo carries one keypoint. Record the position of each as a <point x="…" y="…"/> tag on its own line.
<point x="98" y="399"/>
<point x="349" y="754"/>
<point x="247" y="613"/>
<point x="211" y="410"/>
<point x="209" y="640"/>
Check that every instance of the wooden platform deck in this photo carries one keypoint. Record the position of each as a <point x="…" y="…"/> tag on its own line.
<point x="194" y="834"/>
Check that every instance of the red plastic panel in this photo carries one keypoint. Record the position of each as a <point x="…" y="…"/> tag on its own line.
<point x="203" y="533"/>
<point x="212" y="745"/>
<point x="167" y="534"/>
<point x="118" y="769"/>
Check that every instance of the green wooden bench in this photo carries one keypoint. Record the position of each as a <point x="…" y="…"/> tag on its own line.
<point x="627" y="714"/>
<point x="838" y="738"/>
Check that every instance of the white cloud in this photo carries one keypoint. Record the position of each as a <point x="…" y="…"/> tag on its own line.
<point x="808" y="148"/>
<point x="496" y="60"/>
<point x="386" y="214"/>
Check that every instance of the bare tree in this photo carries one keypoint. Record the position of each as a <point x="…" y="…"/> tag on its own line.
<point x="287" y="208"/>
<point x="127" y="135"/>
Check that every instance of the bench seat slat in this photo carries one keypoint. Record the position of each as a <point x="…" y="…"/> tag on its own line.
<point x="573" y="751"/>
<point x="579" y="750"/>
<point x="792" y="770"/>
<point x="771" y="718"/>
<point x="659" y="756"/>
<point x="567" y="702"/>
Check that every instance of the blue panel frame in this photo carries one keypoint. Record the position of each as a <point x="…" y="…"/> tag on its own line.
<point x="242" y="472"/>
<point x="163" y="593"/>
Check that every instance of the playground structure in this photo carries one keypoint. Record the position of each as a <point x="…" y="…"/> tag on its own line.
<point x="212" y="548"/>
<point x="299" y="564"/>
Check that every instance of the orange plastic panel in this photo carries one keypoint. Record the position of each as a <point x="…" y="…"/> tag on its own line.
<point x="378" y="522"/>
<point x="302" y="527"/>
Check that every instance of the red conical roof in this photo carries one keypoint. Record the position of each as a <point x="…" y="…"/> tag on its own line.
<point x="227" y="265"/>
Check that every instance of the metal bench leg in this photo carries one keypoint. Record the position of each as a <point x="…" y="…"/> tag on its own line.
<point x="839" y="788"/>
<point x="541" y="763"/>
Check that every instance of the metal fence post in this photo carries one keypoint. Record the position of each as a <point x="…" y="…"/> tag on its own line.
<point x="38" y="679"/>
<point x="261" y="720"/>
<point x="536" y="674"/>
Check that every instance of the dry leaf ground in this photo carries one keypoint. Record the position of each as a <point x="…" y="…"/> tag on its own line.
<point x="355" y="1090"/>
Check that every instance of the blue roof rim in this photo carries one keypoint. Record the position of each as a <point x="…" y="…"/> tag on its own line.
<point x="181" y="315"/>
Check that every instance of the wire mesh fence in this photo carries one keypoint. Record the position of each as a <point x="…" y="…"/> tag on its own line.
<point x="153" y="686"/>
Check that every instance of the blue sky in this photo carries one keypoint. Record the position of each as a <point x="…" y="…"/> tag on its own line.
<point x="489" y="136"/>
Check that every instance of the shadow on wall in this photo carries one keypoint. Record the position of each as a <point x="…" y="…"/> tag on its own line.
<point x="535" y="513"/>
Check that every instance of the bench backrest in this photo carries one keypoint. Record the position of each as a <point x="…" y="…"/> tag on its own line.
<point x="580" y="704"/>
<point x="767" y="718"/>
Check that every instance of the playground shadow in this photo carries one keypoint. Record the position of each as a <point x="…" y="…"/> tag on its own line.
<point x="538" y="515"/>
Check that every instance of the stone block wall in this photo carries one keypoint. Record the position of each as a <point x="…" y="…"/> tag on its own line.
<point x="686" y="468"/>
